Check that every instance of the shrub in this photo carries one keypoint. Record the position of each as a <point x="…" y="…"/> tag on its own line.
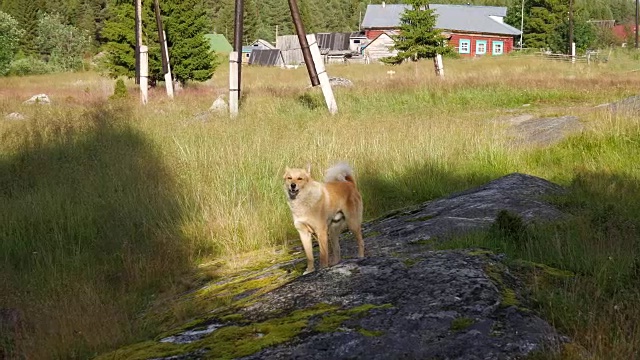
<point x="30" y="66"/>
<point x="120" y="91"/>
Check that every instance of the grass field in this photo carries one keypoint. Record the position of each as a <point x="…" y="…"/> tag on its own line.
<point x="106" y="204"/>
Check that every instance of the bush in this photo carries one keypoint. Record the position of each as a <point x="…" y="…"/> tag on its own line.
<point x="120" y="91"/>
<point x="30" y="66"/>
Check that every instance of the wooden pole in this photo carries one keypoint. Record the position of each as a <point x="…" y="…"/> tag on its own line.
<point x="237" y="43"/>
<point x="571" y="30"/>
<point x="521" y="25"/>
<point x="234" y="88"/>
<point x="138" y="16"/>
<point x="168" y="79"/>
<point x="437" y="62"/>
<point x="144" y="74"/>
<point x="302" y="38"/>
<point x="323" y="77"/>
<point x="164" y="52"/>
<point x="636" y="24"/>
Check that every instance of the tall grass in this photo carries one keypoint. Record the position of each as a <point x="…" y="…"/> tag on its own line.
<point x="104" y="204"/>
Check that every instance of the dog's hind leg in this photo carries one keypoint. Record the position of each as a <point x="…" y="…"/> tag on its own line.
<point x="323" y="243"/>
<point x="307" y="244"/>
<point x="334" y="238"/>
<point x="356" y="228"/>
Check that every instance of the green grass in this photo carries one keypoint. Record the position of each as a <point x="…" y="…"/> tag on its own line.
<point x="106" y="206"/>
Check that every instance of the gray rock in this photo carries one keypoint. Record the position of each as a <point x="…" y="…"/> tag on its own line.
<point x="428" y="297"/>
<point x="41" y="99"/>
<point x="338" y="81"/>
<point x="219" y="105"/>
<point x="15" y="116"/>
<point x="420" y="303"/>
<point x="630" y="104"/>
<point x="528" y="130"/>
<point x="460" y="213"/>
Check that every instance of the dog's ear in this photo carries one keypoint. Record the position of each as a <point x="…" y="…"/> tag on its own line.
<point x="308" y="168"/>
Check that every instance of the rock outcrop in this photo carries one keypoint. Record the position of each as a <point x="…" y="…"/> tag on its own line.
<point x="404" y="300"/>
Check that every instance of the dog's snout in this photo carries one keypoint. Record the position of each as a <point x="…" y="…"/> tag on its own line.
<point x="293" y="186"/>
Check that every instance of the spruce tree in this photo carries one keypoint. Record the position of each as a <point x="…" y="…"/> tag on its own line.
<point x="191" y="57"/>
<point x="185" y="25"/>
<point x="418" y="38"/>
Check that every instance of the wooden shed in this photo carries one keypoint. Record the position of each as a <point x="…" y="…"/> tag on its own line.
<point x="380" y="47"/>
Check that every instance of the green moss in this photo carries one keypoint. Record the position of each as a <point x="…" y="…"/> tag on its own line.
<point x="372" y="234"/>
<point x="230" y="341"/>
<point x="422" y="218"/>
<point x="194" y="308"/>
<point x="480" y="252"/>
<point x="545" y="269"/>
<point x="332" y="322"/>
<point x="370" y="333"/>
<point x="410" y="262"/>
<point x="461" y="323"/>
<point x="424" y="242"/>
<point x="231" y="318"/>
<point x="144" y="350"/>
<point x="508" y="294"/>
<point x="509" y="298"/>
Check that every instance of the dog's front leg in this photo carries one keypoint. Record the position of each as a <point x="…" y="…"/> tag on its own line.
<point x="305" y="237"/>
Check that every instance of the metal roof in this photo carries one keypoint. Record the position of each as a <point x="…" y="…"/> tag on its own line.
<point x="218" y="43"/>
<point x="266" y="57"/>
<point x="481" y="19"/>
<point x="333" y="41"/>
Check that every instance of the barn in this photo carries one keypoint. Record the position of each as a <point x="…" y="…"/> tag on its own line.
<point x="471" y="30"/>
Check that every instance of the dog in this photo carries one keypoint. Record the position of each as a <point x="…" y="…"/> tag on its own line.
<point x="324" y="209"/>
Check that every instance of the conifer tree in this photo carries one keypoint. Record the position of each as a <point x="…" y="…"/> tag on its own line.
<point x="185" y="25"/>
<point x="418" y="37"/>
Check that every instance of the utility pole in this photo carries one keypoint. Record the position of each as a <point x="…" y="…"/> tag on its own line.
<point x="138" y="5"/>
<point x="571" y="28"/>
<point x="637" y="24"/>
<point x="166" y="70"/>
<point x="235" y="61"/>
<point x="521" y="25"/>
<point x="304" y="44"/>
<point x="237" y="38"/>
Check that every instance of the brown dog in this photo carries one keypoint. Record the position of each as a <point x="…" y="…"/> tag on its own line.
<point x="324" y="209"/>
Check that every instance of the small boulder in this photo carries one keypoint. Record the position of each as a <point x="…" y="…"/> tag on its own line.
<point x="41" y="99"/>
<point x="338" y="81"/>
<point x="15" y="116"/>
<point x="219" y="105"/>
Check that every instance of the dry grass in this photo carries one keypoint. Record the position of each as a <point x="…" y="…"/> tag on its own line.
<point x="104" y="205"/>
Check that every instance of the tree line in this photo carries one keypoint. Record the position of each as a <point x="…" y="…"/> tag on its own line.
<point x="52" y="35"/>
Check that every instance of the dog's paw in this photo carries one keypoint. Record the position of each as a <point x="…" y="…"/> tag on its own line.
<point x="308" y="271"/>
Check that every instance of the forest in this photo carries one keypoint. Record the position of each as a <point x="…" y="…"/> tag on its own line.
<point x="58" y="35"/>
<point x="262" y="17"/>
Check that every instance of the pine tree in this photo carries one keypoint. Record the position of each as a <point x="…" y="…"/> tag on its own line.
<point x="418" y="38"/>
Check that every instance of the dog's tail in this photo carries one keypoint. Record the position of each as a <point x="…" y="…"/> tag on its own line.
<point x="340" y="172"/>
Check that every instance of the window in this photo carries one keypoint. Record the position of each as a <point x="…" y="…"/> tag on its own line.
<point x="498" y="47"/>
<point x="356" y="41"/>
<point x="465" y="46"/>
<point x="481" y="47"/>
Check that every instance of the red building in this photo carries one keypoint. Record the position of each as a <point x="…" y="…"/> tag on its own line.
<point x="625" y="33"/>
<point x="471" y="30"/>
